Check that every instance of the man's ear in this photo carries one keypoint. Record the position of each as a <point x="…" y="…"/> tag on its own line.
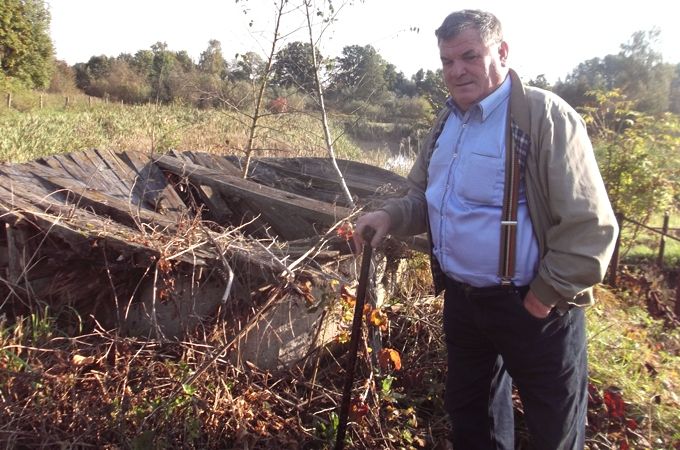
<point x="503" y="52"/>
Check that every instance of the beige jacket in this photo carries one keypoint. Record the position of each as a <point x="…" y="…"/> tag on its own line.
<point x="572" y="218"/>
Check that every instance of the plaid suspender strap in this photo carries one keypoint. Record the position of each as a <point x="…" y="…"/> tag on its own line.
<point x="506" y="268"/>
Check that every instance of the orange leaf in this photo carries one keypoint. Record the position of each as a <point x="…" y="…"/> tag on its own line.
<point x="379" y="319"/>
<point x="347" y="297"/>
<point x="389" y="357"/>
<point x="358" y="410"/>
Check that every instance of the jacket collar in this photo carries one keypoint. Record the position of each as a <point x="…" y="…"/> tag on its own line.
<point x="519" y="104"/>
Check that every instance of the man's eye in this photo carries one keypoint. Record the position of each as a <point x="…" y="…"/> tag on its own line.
<point x="469" y="57"/>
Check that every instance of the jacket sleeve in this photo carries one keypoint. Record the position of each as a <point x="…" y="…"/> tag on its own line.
<point x="580" y="226"/>
<point x="409" y="213"/>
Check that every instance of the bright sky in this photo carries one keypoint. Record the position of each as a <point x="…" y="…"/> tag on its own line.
<point x="549" y="38"/>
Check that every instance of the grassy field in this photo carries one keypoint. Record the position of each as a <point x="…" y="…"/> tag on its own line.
<point x="35" y="133"/>
<point x="92" y="388"/>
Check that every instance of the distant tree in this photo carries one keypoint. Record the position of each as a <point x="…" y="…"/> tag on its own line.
<point x="63" y="78"/>
<point x="26" y="49"/>
<point x="430" y="85"/>
<point x="87" y="74"/>
<point x="637" y="70"/>
<point x="540" y="82"/>
<point x="294" y="68"/>
<point x="122" y="83"/>
<point x="212" y="61"/>
<point x="246" y="67"/>
<point x="397" y="82"/>
<point x="184" y="61"/>
<point x="142" y="62"/>
<point x="674" y="100"/>
<point x="360" y="72"/>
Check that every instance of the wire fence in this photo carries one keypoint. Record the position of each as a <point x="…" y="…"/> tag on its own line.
<point x="28" y="101"/>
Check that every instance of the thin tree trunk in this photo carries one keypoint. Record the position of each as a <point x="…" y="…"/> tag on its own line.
<point x="260" y="95"/>
<point x="324" y="115"/>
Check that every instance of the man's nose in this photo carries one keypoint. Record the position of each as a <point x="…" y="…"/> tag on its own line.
<point x="457" y="69"/>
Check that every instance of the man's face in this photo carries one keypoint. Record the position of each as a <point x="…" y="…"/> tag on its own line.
<point x="472" y="69"/>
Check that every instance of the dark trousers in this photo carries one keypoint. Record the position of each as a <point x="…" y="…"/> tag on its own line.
<point x="492" y="341"/>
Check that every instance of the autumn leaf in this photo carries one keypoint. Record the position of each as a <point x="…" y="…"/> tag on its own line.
<point x="347" y="297"/>
<point x="79" y="360"/>
<point x="614" y="403"/>
<point x="388" y="358"/>
<point x="358" y="411"/>
<point x="346" y="231"/>
<point x="306" y="290"/>
<point x="378" y="319"/>
<point x="342" y="337"/>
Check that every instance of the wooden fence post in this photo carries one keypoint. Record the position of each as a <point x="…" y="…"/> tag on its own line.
<point x="66" y="102"/>
<point x="614" y="264"/>
<point x="41" y="101"/>
<point x="662" y="241"/>
<point x="9" y="100"/>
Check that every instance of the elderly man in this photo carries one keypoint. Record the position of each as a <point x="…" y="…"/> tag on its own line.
<point x="521" y="228"/>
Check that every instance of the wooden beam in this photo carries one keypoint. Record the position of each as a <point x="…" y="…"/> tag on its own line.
<point x="291" y="216"/>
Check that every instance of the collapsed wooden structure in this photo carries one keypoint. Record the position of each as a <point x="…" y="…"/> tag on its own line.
<point x="156" y="245"/>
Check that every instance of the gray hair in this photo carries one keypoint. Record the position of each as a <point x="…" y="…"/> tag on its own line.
<point x="488" y="25"/>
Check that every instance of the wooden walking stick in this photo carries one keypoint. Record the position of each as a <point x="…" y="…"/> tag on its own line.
<point x="355" y="338"/>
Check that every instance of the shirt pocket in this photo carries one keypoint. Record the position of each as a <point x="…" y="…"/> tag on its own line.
<point x="480" y="180"/>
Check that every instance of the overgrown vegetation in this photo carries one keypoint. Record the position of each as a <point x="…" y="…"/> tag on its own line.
<point x="104" y="390"/>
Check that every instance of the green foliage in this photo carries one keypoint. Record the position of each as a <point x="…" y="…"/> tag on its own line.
<point x="246" y="67"/>
<point x="637" y="154"/>
<point x="637" y="71"/>
<point x="212" y="61"/>
<point x="430" y="85"/>
<point x="63" y="79"/>
<point x="360" y="72"/>
<point x="25" y="45"/>
<point x="293" y="66"/>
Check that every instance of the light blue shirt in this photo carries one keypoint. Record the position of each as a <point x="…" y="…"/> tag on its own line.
<point x="464" y="195"/>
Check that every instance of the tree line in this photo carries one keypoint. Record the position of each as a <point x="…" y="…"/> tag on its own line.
<point x="358" y="80"/>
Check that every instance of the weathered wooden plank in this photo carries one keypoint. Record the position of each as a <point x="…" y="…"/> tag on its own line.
<point x="104" y="176"/>
<point x="215" y="162"/>
<point x="112" y="206"/>
<point x="155" y="189"/>
<point x="291" y="216"/>
<point x="62" y="163"/>
<point x="124" y="173"/>
<point x="362" y="179"/>
<point x="23" y="178"/>
<point x="78" y="228"/>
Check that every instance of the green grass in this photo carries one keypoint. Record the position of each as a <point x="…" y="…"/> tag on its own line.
<point x="639" y="355"/>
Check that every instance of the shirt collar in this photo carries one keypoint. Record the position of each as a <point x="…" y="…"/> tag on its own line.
<point x="489" y="103"/>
